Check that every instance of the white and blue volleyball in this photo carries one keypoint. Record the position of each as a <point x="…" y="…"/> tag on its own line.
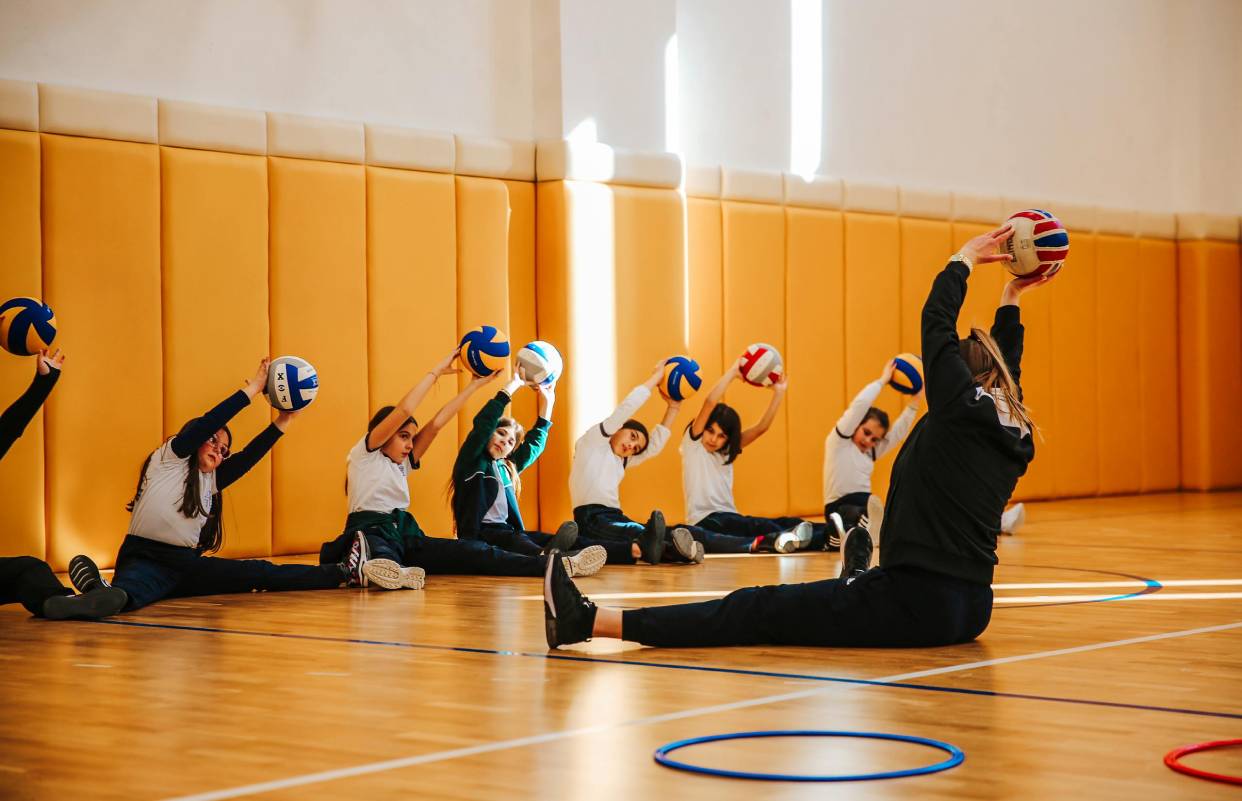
<point x="539" y="362"/>
<point x="484" y="350"/>
<point x="27" y="326"/>
<point x="292" y="383"/>
<point x="681" y="378"/>
<point x="907" y="374"/>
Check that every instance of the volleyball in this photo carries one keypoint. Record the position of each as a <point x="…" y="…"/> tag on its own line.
<point x="761" y="365"/>
<point x="484" y="350"/>
<point x="907" y="374"/>
<point x="1039" y="244"/>
<point x="539" y="362"/>
<point x="27" y="326"/>
<point x="292" y="383"/>
<point x="681" y="378"/>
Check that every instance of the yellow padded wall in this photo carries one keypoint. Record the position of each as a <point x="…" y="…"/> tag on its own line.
<point x="984" y="288"/>
<point x="101" y="248"/>
<point x="21" y="472"/>
<point x="925" y="248"/>
<point x="1210" y="295"/>
<point x="214" y="254"/>
<point x="648" y="244"/>
<point x="523" y="327"/>
<point x="872" y="315"/>
<point x="482" y="275"/>
<point x="1157" y="392"/>
<point x="412" y="314"/>
<point x="318" y="311"/>
<point x="754" y="311"/>
<point x="1071" y="434"/>
<point x="555" y="321"/>
<point x="815" y="346"/>
<point x="705" y="285"/>
<point x="1121" y="430"/>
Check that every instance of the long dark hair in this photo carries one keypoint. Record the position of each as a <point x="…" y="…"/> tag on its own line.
<point x="376" y="419"/>
<point x="730" y="423"/>
<point x="211" y="535"/>
<point x="988" y="369"/>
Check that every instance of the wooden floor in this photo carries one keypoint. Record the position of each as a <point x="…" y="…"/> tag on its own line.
<point x="451" y="693"/>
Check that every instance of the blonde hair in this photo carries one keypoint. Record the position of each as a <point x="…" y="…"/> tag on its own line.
<point x="988" y="369"/>
<point x="518" y="434"/>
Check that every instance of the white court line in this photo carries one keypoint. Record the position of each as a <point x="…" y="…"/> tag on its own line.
<point x="520" y="742"/>
<point x="1151" y="596"/>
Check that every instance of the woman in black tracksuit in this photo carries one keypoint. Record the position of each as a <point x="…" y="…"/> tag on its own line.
<point x="949" y="487"/>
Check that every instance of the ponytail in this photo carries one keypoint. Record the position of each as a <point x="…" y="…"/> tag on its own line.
<point x="988" y="369"/>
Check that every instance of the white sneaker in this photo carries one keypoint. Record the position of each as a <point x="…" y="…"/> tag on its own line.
<point x="874" y="520"/>
<point x="1013" y="519"/>
<point x="586" y="562"/>
<point x="803" y="531"/>
<point x="391" y="576"/>
<point x="836" y="534"/>
<point x="786" y="542"/>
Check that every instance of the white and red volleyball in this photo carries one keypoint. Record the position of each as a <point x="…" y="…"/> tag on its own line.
<point x="1039" y="244"/>
<point x="761" y="365"/>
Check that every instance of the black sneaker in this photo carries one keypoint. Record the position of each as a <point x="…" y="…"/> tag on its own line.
<point x="354" y="562"/>
<point x="651" y="541"/>
<point x="99" y="602"/>
<point x="836" y="532"/>
<point x="84" y="574"/>
<point x="564" y="538"/>
<point x="855" y="553"/>
<point x="568" y="616"/>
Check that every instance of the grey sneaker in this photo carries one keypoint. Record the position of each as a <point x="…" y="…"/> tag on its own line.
<point x="874" y="520"/>
<point x="564" y="538"/>
<point x="685" y="545"/>
<point x="586" y="562"/>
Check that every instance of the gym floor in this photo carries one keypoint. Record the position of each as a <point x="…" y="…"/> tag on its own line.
<point x="1116" y="637"/>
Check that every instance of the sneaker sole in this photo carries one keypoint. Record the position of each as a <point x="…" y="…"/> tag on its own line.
<point x="586" y="562"/>
<point x="88" y="606"/>
<point x="683" y="543"/>
<point x="385" y="573"/>
<point x="549" y="605"/>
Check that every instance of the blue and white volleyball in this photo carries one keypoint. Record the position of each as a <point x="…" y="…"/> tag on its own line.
<point x="292" y="383"/>
<point x="484" y="350"/>
<point x="539" y="362"/>
<point x="27" y="326"/>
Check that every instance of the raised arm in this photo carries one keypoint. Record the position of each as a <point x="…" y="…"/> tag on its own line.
<point x="633" y="401"/>
<point x="714" y="397"/>
<point x="238" y="464"/>
<point x="856" y="412"/>
<point x="15" y="418"/>
<point x="536" y="438"/>
<point x="901" y="427"/>
<point x="659" y="435"/>
<point x="427" y="433"/>
<point x="759" y="429"/>
<point x="946" y="374"/>
<point x="200" y="429"/>
<point x="409" y="404"/>
<point x="1007" y="327"/>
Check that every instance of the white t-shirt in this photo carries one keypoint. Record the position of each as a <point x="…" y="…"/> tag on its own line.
<point x="706" y="480"/>
<point x="376" y="483"/>
<point x="847" y="469"/>
<point x="595" y="477"/>
<point x="157" y="514"/>
<point x="499" y="511"/>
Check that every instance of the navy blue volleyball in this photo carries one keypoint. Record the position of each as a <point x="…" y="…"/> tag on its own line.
<point x="27" y="326"/>
<point x="484" y="350"/>
<point x="681" y="378"/>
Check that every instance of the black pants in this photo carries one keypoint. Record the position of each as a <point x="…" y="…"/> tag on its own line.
<point x="766" y="527"/>
<point x="533" y="543"/>
<point x="851" y="507"/>
<point x="899" y="607"/>
<point x="598" y="522"/>
<point x="150" y="571"/>
<point x="29" y="582"/>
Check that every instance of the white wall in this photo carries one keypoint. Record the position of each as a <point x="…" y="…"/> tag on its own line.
<point x="461" y="66"/>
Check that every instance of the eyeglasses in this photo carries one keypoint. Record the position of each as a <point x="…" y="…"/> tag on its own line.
<point x="217" y="442"/>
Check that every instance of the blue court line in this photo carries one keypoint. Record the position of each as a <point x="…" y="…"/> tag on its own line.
<point x="672" y="666"/>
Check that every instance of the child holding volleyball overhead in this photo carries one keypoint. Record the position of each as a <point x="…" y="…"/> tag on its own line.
<point x="859" y="438"/>
<point x="178" y="511"/>
<point x="709" y="447"/>
<point x="379" y="500"/>
<point x="950" y="484"/>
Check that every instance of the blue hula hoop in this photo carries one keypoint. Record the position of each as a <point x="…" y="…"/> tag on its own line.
<point x="956" y="757"/>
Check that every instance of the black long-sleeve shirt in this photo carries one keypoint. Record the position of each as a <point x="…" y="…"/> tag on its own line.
<point x="15" y="418"/>
<point x="194" y="433"/>
<point x="960" y="465"/>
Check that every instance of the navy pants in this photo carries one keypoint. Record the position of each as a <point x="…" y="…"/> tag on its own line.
<point x="766" y="527"/>
<point x="29" y="582"/>
<point x="446" y="557"/>
<point x="533" y="543"/>
<point x="151" y="571"/>
<point x="899" y="607"/>
<point x="598" y="522"/>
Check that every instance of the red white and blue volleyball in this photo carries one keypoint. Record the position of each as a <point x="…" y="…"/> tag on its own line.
<point x="761" y="365"/>
<point x="1039" y="245"/>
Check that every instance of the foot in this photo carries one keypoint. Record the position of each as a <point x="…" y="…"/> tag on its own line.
<point x="568" y="616"/>
<point x="355" y="561"/>
<point x="84" y="574"/>
<point x="99" y="602"/>
<point x="855" y="553"/>
<point x="586" y="562"/>
<point x="786" y="542"/>
<point x="687" y="547"/>
<point x="651" y="542"/>
<point x="1013" y="520"/>
<point x="873" y="521"/>
<point x="564" y="538"/>
<point x="391" y="576"/>
<point x="836" y="532"/>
